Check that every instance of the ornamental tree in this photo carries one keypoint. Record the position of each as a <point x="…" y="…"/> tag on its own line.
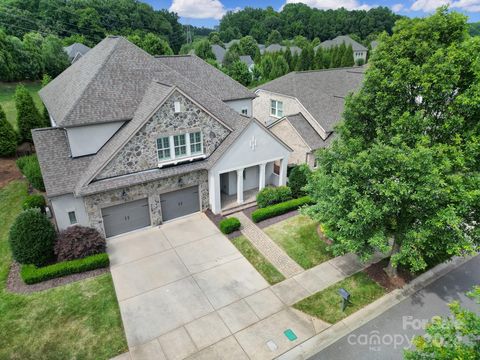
<point x="28" y="117"/>
<point x="405" y="172"/>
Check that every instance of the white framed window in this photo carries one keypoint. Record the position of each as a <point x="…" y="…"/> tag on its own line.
<point x="244" y="111"/>
<point x="276" y="108"/>
<point x="196" y="143"/>
<point x="179" y="146"/>
<point x="177" y="106"/>
<point x="72" y="217"/>
<point x="163" y="148"/>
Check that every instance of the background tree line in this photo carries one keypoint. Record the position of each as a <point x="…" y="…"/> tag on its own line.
<point x="299" y="19"/>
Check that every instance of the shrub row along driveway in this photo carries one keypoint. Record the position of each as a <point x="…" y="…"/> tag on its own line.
<point x="184" y="288"/>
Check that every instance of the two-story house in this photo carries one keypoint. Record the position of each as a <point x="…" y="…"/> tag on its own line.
<point x="303" y="107"/>
<point x="138" y="140"/>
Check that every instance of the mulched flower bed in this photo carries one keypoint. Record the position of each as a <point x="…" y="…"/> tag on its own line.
<point x="377" y="274"/>
<point x="15" y="283"/>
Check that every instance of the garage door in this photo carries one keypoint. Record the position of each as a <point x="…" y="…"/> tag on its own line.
<point x="126" y="217"/>
<point x="179" y="203"/>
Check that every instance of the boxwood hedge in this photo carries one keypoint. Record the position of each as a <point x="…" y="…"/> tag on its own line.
<point x="279" y="209"/>
<point x="32" y="274"/>
<point x="229" y="225"/>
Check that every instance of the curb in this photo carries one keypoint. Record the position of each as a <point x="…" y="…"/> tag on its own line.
<point x="352" y="322"/>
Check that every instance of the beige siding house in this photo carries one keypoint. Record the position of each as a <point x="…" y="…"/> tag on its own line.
<point x="303" y="108"/>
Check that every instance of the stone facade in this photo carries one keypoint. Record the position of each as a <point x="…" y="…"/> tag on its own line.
<point x="152" y="190"/>
<point x="140" y="153"/>
<point x="285" y="131"/>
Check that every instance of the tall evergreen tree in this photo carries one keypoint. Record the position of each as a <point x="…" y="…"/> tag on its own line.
<point x="319" y="58"/>
<point x="280" y="67"/>
<point x="347" y="58"/>
<point x="28" y="117"/>
<point x="8" y="136"/>
<point x="288" y="58"/>
<point x="306" y="59"/>
<point x="267" y="66"/>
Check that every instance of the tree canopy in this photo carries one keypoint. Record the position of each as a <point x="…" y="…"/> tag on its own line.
<point x="301" y="20"/>
<point x="406" y="167"/>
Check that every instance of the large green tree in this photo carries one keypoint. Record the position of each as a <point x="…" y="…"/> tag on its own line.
<point x="239" y="72"/>
<point x="203" y="49"/>
<point x="8" y="136"/>
<point x="406" y="169"/>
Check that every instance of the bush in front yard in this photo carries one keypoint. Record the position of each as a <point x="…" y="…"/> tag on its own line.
<point x="229" y="225"/>
<point x="77" y="242"/>
<point x="35" y="201"/>
<point x="31" y="274"/>
<point x="279" y="209"/>
<point x="30" y="167"/>
<point x="31" y="238"/>
<point x="298" y="179"/>
<point x="273" y="195"/>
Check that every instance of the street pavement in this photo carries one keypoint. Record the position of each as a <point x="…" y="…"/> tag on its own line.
<point x="386" y="336"/>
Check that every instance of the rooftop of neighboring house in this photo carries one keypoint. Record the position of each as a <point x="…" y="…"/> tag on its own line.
<point x="342" y="39"/>
<point x="321" y="92"/>
<point x="219" y="52"/>
<point x="247" y="60"/>
<point x="75" y="51"/>
<point x="117" y="81"/>
<point x="277" y="47"/>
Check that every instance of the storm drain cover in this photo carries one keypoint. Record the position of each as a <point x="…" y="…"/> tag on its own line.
<point x="290" y="335"/>
<point x="271" y="345"/>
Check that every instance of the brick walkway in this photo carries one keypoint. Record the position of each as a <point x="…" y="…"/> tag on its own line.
<point x="268" y="247"/>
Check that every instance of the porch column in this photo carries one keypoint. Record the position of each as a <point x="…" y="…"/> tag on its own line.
<point x="240" y="186"/>
<point x="283" y="172"/>
<point x="261" y="180"/>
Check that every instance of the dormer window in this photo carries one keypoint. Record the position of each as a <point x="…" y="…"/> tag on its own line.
<point x="178" y="106"/>
<point x="276" y="108"/>
<point x="185" y="146"/>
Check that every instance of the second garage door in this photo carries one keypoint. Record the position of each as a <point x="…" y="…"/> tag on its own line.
<point x="179" y="203"/>
<point x="126" y="217"/>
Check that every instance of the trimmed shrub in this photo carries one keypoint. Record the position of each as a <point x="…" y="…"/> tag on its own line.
<point x="32" y="274"/>
<point x="273" y="195"/>
<point x="31" y="238"/>
<point x="360" y="62"/>
<point x="77" y="242"/>
<point x="30" y="168"/>
<point x="8" y="136"/>
<point x="298" y="179"/>
<point x="279" y="209"/>
<point x="35" y="201"/>
<point x="229" y="225"/>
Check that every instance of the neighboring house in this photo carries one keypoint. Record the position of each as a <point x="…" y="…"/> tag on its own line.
<point x="359" y="51"/>
<point x="219" y="53"/>
<point x="247" y="60"/>
<point x="374" y="44"/>
<point x="302" y="108"/>
<point x="138" y="140"/>
<point x="277" y="47"/>
<point x="76" y="51"/>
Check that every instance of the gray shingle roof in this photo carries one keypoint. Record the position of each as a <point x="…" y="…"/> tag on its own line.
<point x="108" y="83"/>
<point x="60" y="172"/>
<point x="308" y="133"/>
<point x="277" y="47"/>
<point x="219" y="53"/>
<point x="247" y="60"/>
<point x="339" y="40"/>
<point x="76" y="50"/>
<point x="207" y="77"/>
<point x="321" y="92"/>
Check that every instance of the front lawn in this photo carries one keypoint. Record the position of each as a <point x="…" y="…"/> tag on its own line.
<point x="326" y="304"/>
<point x="76" y="321"/>
<point x="263" y="266"/>
<point x="7" y="101"/>
<point x="299" y="238"/>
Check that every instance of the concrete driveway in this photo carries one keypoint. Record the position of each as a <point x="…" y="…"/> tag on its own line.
<point x="185" y="290"/>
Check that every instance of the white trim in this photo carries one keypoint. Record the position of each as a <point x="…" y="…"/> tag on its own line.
<point x="180" y="160"/>
<point x="173" y="158"/>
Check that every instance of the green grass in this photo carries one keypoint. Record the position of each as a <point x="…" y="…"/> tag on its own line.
<point x="265" y="268"/>
<point x="7" y="92"/>
<point x="76" y="321"/>
<point x="326" y="304"/>
<point x="298" y="237"/>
